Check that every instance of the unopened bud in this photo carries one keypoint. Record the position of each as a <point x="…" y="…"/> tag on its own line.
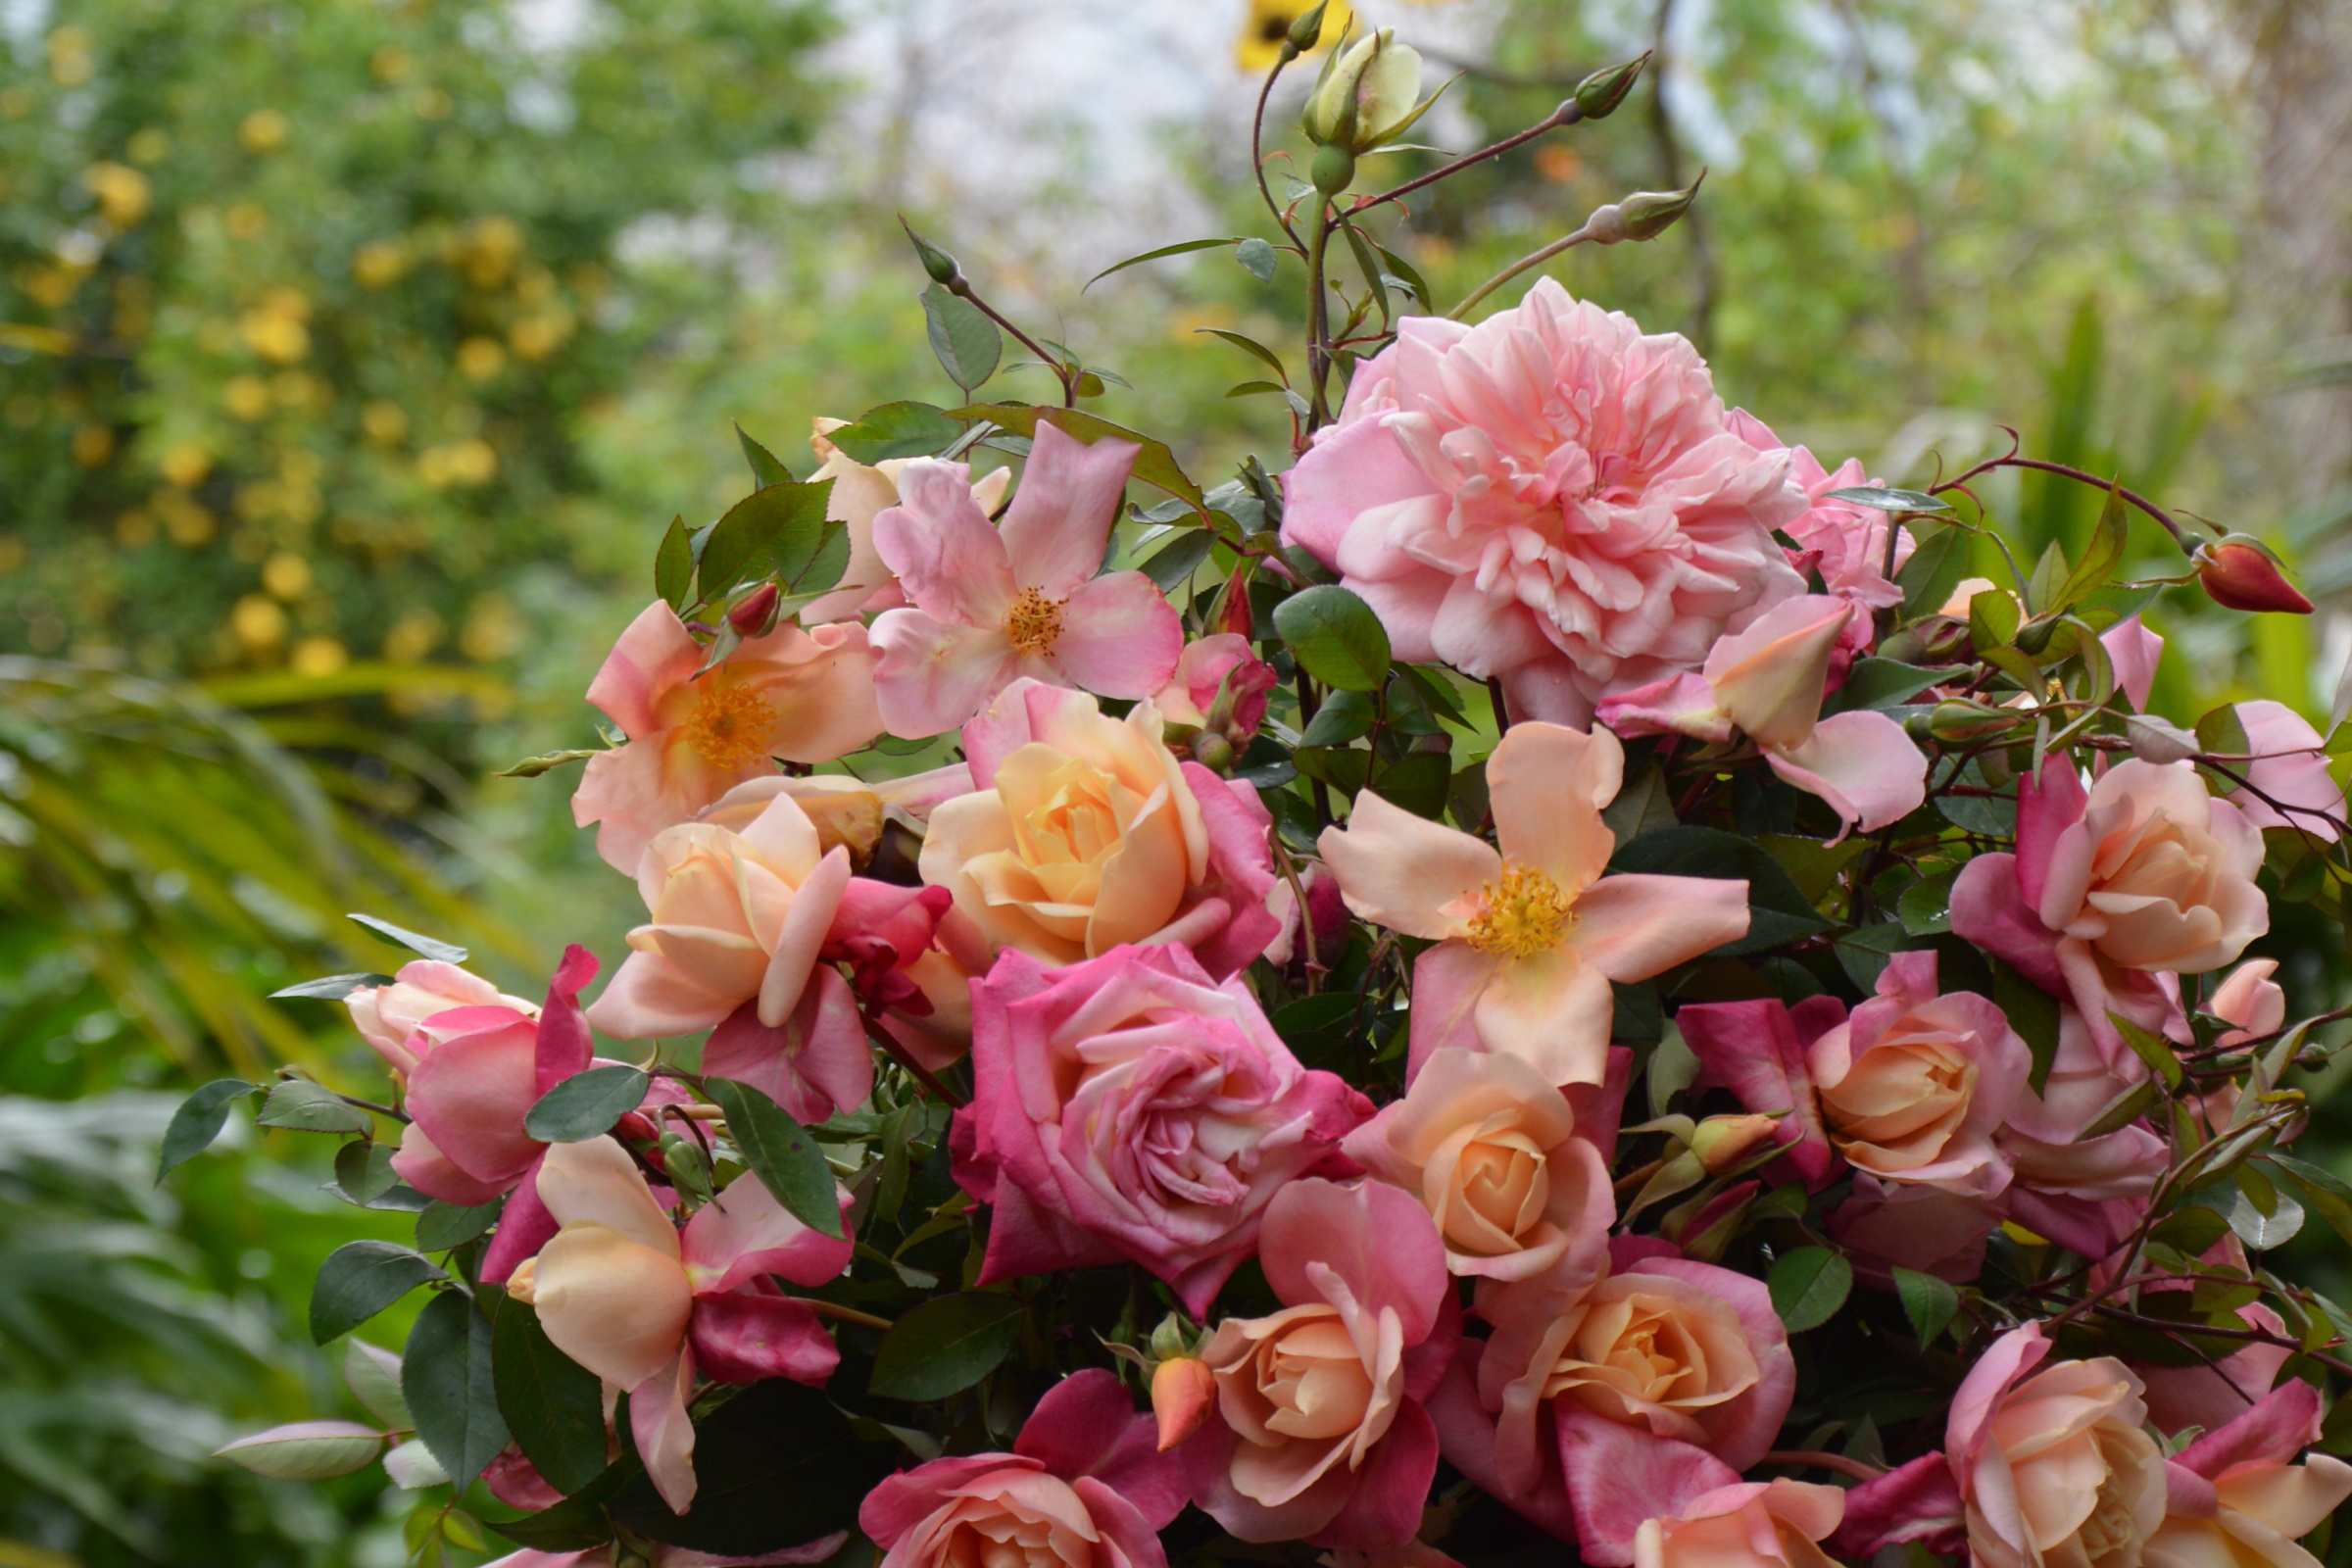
<point x="683" y="1161"/>
<point x="1213" y="751"/>
<point x="1648" y="214"/>
<point x="1367" y="96"/>
<point x="522" y="1284"/>
<point x="2239" y="573"/>
<point x="2156" y="739"/>
<point x="1723" y="1142"/>
<point x="1234" y="614"/>
<point x="754" y="614"/>
<point x="1306" y="30"/>
<point x="1333" y="170"/>
<point x="936" y="262"/>
<point x="1169" y="1341"/>
<point x="1959" y="720"/>
<point x="1183" y="1393"/>
<point x="1599" y="95"/>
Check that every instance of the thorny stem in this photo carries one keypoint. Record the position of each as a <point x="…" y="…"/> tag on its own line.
<point x="1306" y="924"/>
<point x="1257" y="160"/>
<point x="2164" y="520"/>
<point x="1318" y="319"/>
<point x="1568" y="114"/>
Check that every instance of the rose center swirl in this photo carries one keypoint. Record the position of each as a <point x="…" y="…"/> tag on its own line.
<point x="1525" y="913"/>
<point x="1034" y="622"/>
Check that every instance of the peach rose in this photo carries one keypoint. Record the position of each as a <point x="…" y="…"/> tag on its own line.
<point x="1490" y="1148"/>
<point x="1914" y="1086"/>
<point x="2249" y="999"/>
<point x="1776" y="1523"/>
<point x="2053" y="1465"/>
<point x="2157" y="874"/>
<point x="1084" y="833"/>
<point x="2236" y="1496"/>
<point x="389" y="1016"/>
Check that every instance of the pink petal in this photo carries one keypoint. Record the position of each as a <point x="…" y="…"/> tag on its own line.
<point x="1060" y="517"/>
<point x="1552" y="1010"/>
<point x="1086" y="1425"/>
<point x="565" y="1046"/>
<point x="1862" y="764"/>
<point x="665" y="1434"/>
<point x="1547" y="784"/>
<point x="654" y="657"/>
<point x="814" y="1063"/>
<point x="2275" y="1429"/>
<point x="1635" y="925"/>
<point x="1401" y="870"/>
<point x="1751" y="1048"/>
<point x="1989" y="910"/>
<point x="1619" y="1477"/>
<point x="1356" y="467"/>
<point x="1672" y="705"/>
<point x="2292" y="768"/>
<point x="2133" y="650"/>
<point x="814" y="903"/>
<point x="630" y="796"/>
<point x="745" y="1234"/>
<point x="434" y="1174"/>
<point x="1377" y="1239"/>
<point x="950" y="563"/>
<point x="1390" y="1490"/>
<point x="2047" y="804"/>
<point x="1118" y="636"/>
<point x="1918" y="1502"/>
<point x="1466" y="1440"/>
<point x="740" y="1338"/>
<point x="1447" y="981"/>
<point x="936" y="674"/>
<point x="1769" y="678"/>
<point x="523" y="1227"/>
<point x="471" y="1093"/>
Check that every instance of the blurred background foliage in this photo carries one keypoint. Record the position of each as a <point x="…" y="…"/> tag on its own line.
<point x="354" y="353"/>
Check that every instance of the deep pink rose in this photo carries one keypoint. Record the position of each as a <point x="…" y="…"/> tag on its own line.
<point x="1130" y="1108"/>
<point x="1550" y="497"/>
<point x="1846" y="543"/>
<point x="1085" y="1486"/>
<point x="1218" y="666"/>
<point x="1321" y="1433"/>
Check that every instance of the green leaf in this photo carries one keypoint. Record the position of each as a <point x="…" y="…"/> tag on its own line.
<point x="443" y="1226"/>
<point x="944" y="1346"/>
<point x="776" y="1466"/>
<point x="1882" y="683"/>
<point x="331" y="987"/>
<point x="1863" y="953"/>
<point x="2108" y="540"/>
<point x="1992" y="619"/>
<point x="544" y="763"/>
<point x="446" y="1374"/>
<point x="769" y="533"/>
<point x="2223" y="732"/>
<point x="2042" y="588"/>
<point x="780" y="1153"/>
<point x="1407" y="276"/>
<point x="1673" y="1067"/>
<point x="898" y="430"/>
<point x="1881" y="499"/>
<point x="198" y="1121"/>
<point x="1808" y="1286"/>
<point x="2322" y="1188"/>
<point x="1335" y="638"/>
<point x="1925" y="908"/>
<point x="2032" y="1013"/>
<point x="1154" y="465"/>
<point x="1252" y="347"/>
<point x="432" y="947"/>
<point x="552" y="1405"/>
<point x="1343" y="769"/>
<point x="966" y="342"/>
<point x="1935" y="569"/>
<point x="1344" y="716"/>
<point x="1643" y="805"/>
<point x="307" y="1451"/>
<point x="1928" y="1302"/>
<point x="673" y="566"/>
<point x="1256" y="257"/>
<point x="363" y="1171"/>
<point x="585" y="1105"/>
<point x="1777" y="911"/>
<point x="1180" y="558"/>
<point x="372" y="1375"/>
<point x="359" y="1280"/>
<point x="767" y="468"/>
<point x="1416" y="782"/>
<point x="305" y="1107"/>
<point x="2157" y="1054"/>
<point x="2191" y="1231"/>
<point x="2124" y="1113"/>
<point x="1180" y="248"/>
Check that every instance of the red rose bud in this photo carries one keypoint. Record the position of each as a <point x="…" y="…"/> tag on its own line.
<point x="1183" y="1393"/>
<point x="754" y="614"/>
<point x="1235" y="615"/>
<point x="2239" y="573"/>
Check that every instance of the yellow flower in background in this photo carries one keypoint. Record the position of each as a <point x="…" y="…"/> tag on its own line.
<point x="481" y="358"/>
<point x="264" y="131"/>
<point x="1269" y="22"/>
<point x="123" y="192"/>
<point x="258" y="622"/>
<point x="286" y="575"/>
<point x="382" y="263"/>
<point x="317" y="656"/>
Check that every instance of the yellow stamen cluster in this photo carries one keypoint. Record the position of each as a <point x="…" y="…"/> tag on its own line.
<point x="1525" y="914"/>
<point x="1034" y="623"/>
<point x="731" y="725"/>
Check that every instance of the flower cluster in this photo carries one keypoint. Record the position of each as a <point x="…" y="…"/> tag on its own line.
<point x="1239" y="1017"/>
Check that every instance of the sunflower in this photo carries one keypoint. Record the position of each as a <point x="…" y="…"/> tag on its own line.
<point x="1269" y="22"/>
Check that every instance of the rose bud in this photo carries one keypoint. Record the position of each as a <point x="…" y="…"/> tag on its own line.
<point x="754" y="614"/>
<point x="2239" y="573"/>
<point x="1723" y="1142"/>
<point x="1600" y="94"/>
<point x="1183" y="1393"/>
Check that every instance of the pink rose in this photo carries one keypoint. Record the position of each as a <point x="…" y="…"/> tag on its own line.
<point x="2086" y="1193"/>
<point x="2288" y="781"/>
<point x="1844" y="544"/>
<point x="2210" y="1396"/>
<point x="389" y="1017"/>
<point x="1494" y="1152"/>
<point x="1550" y="497"/>
<point x="1321" y="1433"/>
<point x="805" y="696"/>
<point x="1929" y="1230"/>
<point x="2248" y="998"/>
<point x="1084" y="1488"/>
<point x="623" y="1293"/>
<point x="2051" y="1458"/>
<point x="1220" y="666"/>
<point x="2236" y="1496"/>
<point x="1084" y="832"/>
<point x="1528" y="936"/>
<point x="860" y="494"/>
<point x="1131" y="1108"/>
<point x="1756" y="1524"/>
<point x="989" y="605"/>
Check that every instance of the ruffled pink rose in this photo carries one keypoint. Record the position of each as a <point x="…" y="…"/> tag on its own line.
<point x="393" y="1018"/>
<point x="1219" y="668"/>
<point x="987" y="605"/>
<point x="860" y="493"/>
<point x="1085" y="1486"/>
<point x="1527" y="937"/>
<point x="1085" y="832"/>
<point x="1131" y="1108"/>
<point x="1321" y="1433"/>
<point x="2236" y="1494"/>
<point x="2115" y="890"/>
<point x="2051" y="1458"/>
<point x="623" y="1293"/>
<point x="1845" y="545"/>
<point x="803" y="696"/>
<point x="1550" y="497"/>
<point x="2288" y="781"/>
<point x="1768" y="682"/>
<point x="1493" y="1151"/>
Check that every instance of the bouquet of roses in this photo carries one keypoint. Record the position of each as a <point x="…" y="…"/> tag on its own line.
<point x="1556" y="970"/>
